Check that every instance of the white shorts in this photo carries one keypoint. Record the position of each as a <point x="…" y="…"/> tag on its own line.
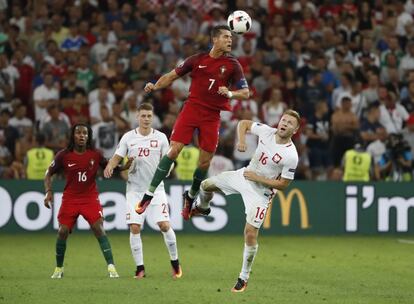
<point x="158" y="210"/>
<point x="255" y="201"/>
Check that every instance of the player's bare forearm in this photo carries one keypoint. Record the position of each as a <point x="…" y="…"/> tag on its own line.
<point x="163" y="82"/>
<point x="242" y="128"/>
<point x="48" y="201"/>
<point x="48" y="182"/>
<point x="240" y="94"/>
<point x="111" y="165"/>
<point x="278" y="184"/>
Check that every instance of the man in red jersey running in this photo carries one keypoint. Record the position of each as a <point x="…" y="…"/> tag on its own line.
<point x="80" y="163"/>
<point x="213" y="75"/>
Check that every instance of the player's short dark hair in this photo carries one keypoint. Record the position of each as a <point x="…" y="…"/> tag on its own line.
<point x="294" y="114"/>
<point x="216" y="31"/>
<point x="145" y="106"/>
<point x="71" y="144"/>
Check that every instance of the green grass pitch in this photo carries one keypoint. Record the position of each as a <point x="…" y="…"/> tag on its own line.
<point x="286" y="270"/>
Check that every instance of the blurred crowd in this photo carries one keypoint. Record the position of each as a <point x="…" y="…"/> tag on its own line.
<point x="346" y="66"/>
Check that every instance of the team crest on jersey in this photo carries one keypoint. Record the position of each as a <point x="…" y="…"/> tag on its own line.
<point x="222" y="70"/>
<point x="277" y="158"/>
<point x="91" y="163"/>
<point x="153" y="143"/>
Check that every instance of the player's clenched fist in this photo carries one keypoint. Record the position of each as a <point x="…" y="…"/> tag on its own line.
<point x="149" y="87"/>
<point x="223" y="91"/>
<point x="48" y="199"/>
<point x="241" y="147"/>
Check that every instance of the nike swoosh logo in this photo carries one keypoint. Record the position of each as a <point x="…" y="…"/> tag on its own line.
<point x="71" y="165"/>
<point x="261" y="141"/>
<point x="133" y="145"/>
<point x="202" y="66"/>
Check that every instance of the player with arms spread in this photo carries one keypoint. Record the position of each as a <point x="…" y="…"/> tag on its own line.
<point x="272" y="167"/>
<point x="213" y="75"/>
<point x="80" y="163"/>
<point x="147" y="146"/>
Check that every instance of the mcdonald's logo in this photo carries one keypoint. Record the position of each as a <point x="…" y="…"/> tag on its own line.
<point x="285" y="207"/>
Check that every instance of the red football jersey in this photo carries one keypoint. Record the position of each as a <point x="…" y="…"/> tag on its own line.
<point x="80" y="172"/>
<point x="208" y="74"/>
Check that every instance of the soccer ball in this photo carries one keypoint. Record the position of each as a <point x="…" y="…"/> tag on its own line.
<point x="239" y="22"/>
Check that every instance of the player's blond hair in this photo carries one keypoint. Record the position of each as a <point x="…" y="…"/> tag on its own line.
<point x="294" y="114"/>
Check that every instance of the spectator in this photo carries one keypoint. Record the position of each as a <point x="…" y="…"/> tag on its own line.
<point x="317" y="132"/>
<point x="38" y="159"/>
<point x="106" y="133"/>
<point x="377" y="147"/>
<point x="408" y="102"/>
<point x="344" y="124"/>
<point x="70" y="89"/>
<point x="10" y="134"/>
<point x="370" y="124"/>
<point x="56" y="130"/>
<point x="78" y="110"/>
<point x="392" y="115"/>
<point x="44" y="96"/>
<point x="274" y="108"/>
<point x="20" y="120"/>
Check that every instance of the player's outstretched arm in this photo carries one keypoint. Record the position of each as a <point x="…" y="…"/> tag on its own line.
<point x="111" y="165"/>
<point x="48" y="201"/>
<point x="238" y="94"/>
<point x="242" y="128"/>
<point x="278" y="184"/>
<point x="163" y="82"/>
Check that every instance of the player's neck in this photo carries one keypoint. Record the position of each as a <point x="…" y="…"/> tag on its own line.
<point x="282" y="140"/>
<point x="144" y="131"/>
<point x="79" y="150"/>
<point x="215" y="52"/>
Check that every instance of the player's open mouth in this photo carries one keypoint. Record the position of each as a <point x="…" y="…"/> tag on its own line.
<point x="283" y="129"/>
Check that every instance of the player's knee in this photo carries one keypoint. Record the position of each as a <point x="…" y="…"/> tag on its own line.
<point x="63" y="232"/>
<point x="250" y="235"/>
<point x="208" y="185"/>
<point x="174" y="151"/>
<point x="164" y="226"/>
<point x="135" y="229"/>
<point x="204" y="164"/>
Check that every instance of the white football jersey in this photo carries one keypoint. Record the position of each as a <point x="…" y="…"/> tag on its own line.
<point x="270" y="159"/>
<point x="148" y="151"/>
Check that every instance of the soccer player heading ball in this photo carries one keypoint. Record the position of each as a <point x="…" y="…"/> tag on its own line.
<point x="80" y="163"/>
<point x="272" y="167"/>
<point x="216" y="78"/>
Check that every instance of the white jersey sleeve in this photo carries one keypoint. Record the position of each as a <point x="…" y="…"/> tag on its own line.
<point x="122" y="147"/>
<point x="261" y="130"/>
<point x="289" y="167"/>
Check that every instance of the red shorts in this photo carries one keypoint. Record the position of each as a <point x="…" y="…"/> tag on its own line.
<point x="206" y="121"/>
<point x="69" y="213"/>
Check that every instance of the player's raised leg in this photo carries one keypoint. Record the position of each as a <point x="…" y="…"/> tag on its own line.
<point x="199" y="175"/>
<point x="162" y="171"/>
<point x="63" y="234"/>
<point x="171" y="244"/>
<point x="98" y="230"/>
<point x="249" y="253"/>
<point x="137" y="250"/>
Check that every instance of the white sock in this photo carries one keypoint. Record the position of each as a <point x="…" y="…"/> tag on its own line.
<point x="136" y="248"/>
<point x="171" y="243"/>
<point x="249" y="253"/>
<point x="205" y="198"/>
